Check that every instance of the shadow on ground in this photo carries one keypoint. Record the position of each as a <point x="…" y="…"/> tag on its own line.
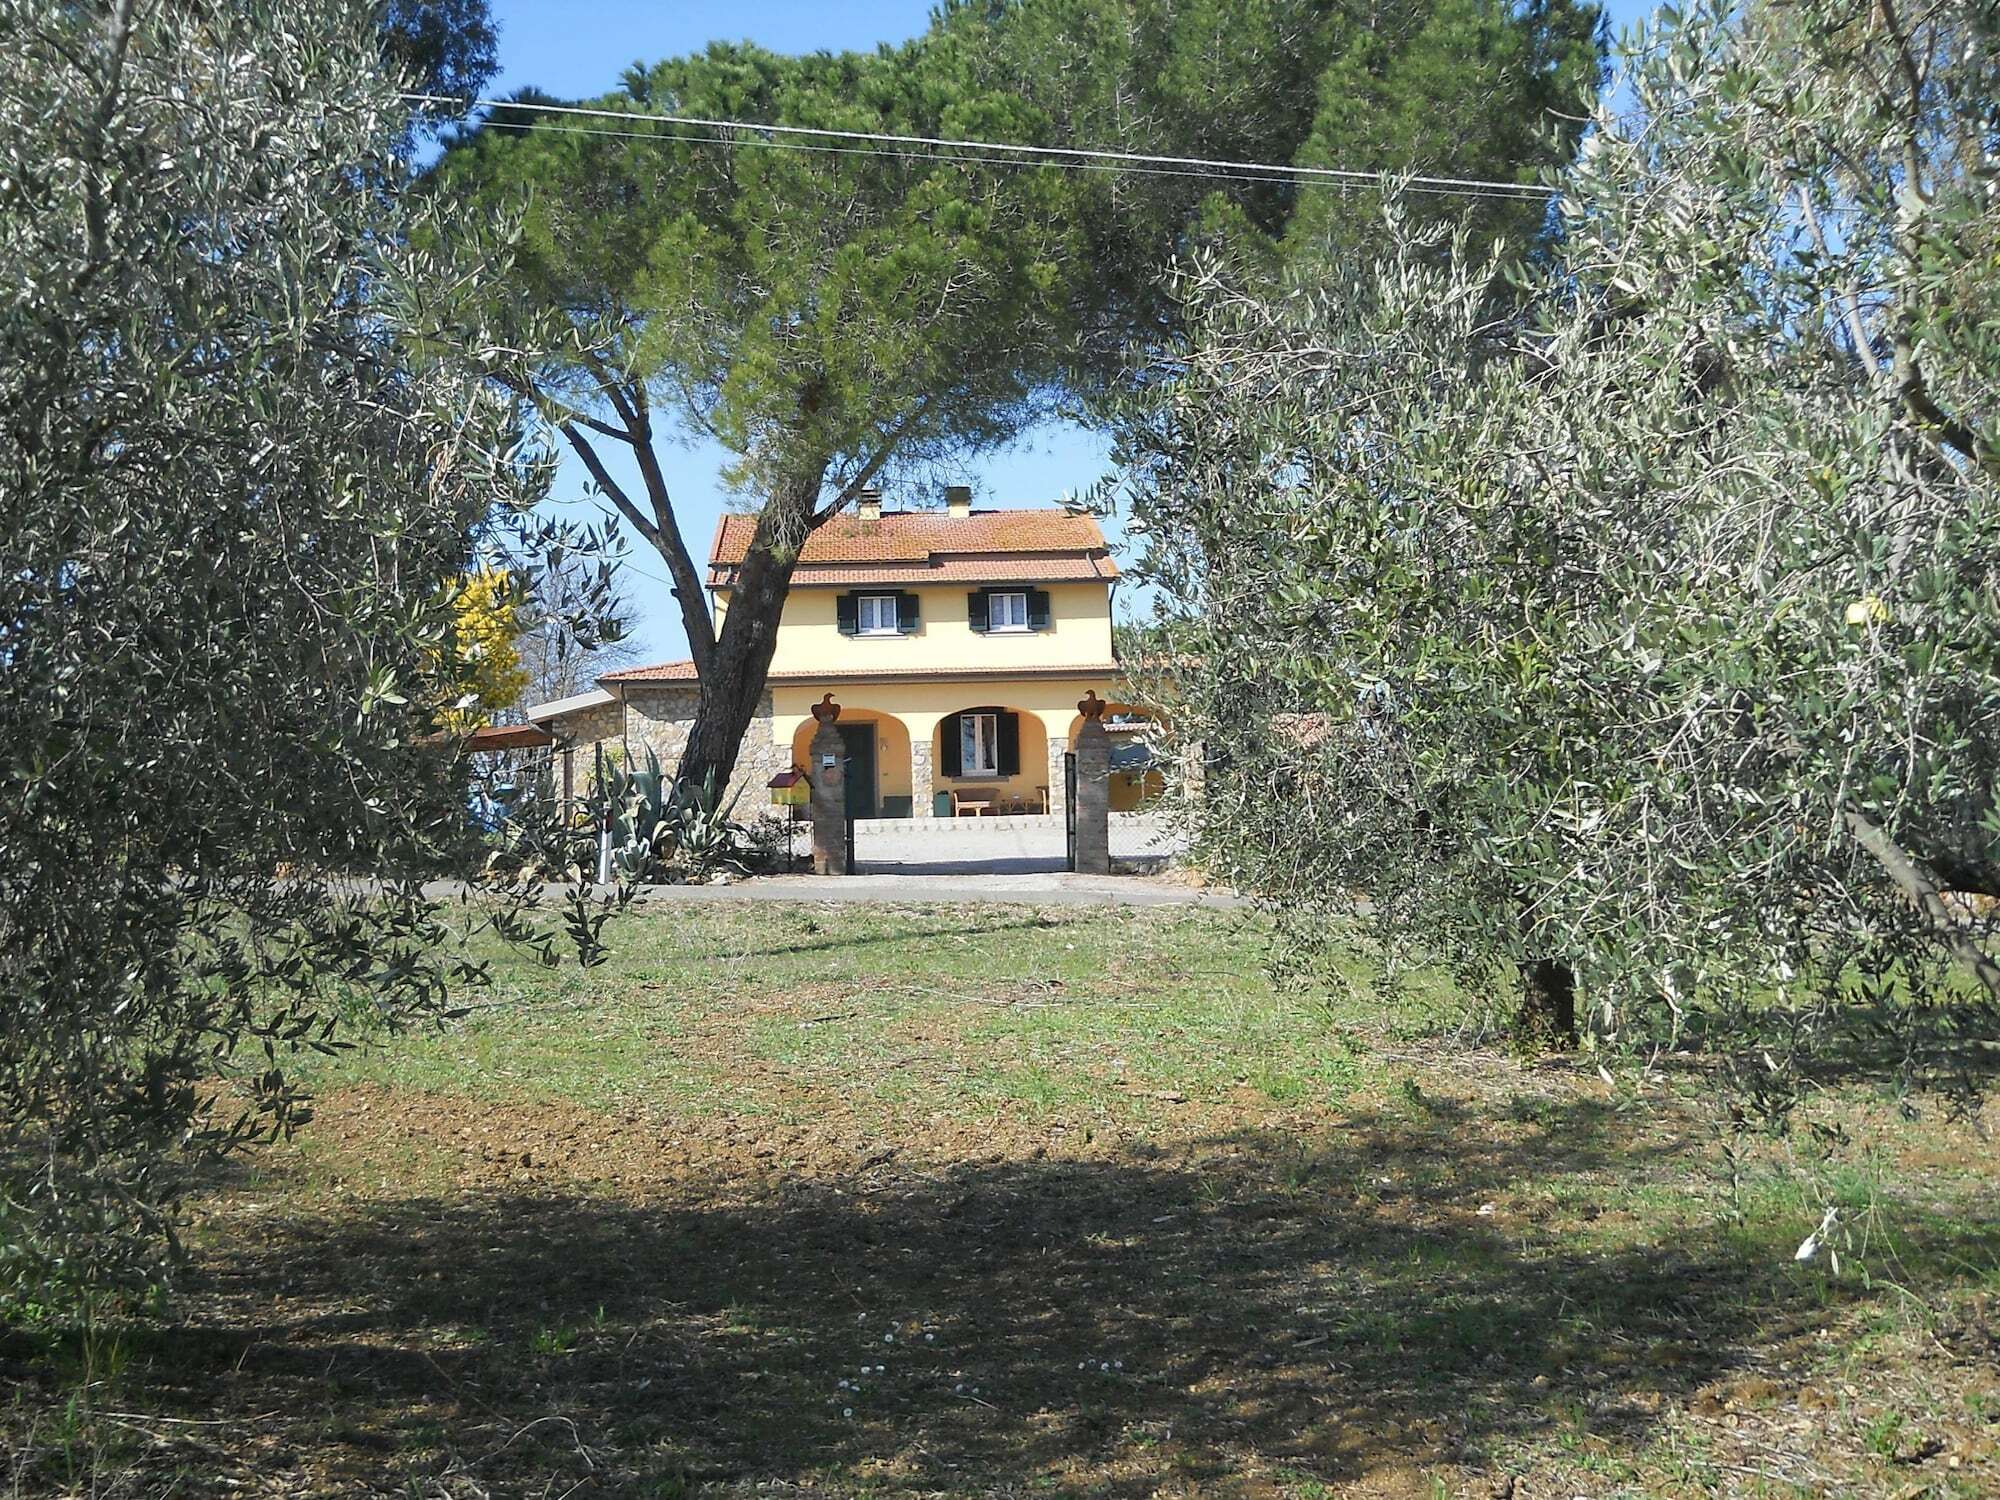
<point x="1004" y="865"/>
<point x="1241" y="1307"/>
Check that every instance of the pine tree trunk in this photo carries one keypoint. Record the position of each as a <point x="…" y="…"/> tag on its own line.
<point x="732" y="684"/>
<point x="1546" y="1021"/>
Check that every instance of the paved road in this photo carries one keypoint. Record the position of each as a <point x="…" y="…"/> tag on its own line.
<point x="1038" y="888"/>
<point x="1016" y="861"/>
<point x="1029" y="889"/>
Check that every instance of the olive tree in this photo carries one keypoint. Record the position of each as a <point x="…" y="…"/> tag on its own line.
<point x="233" y="501"/>
<point x="1627" y="619"/>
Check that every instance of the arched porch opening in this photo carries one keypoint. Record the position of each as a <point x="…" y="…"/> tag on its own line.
<point x="1136" y="777"/>
<point x="877" y="748"/>
<point x="991" y="761"/>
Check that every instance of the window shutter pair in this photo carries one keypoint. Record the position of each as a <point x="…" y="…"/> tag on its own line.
<point x="952" y="751"/>
<point x="979" y="615"/>
<point x="847" y="611"/>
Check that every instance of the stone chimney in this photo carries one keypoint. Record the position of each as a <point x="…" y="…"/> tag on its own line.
<point x="869" y="503"/>
<point x="958" y="501"/>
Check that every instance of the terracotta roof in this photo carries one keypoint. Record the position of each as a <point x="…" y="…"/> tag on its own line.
<point x="683" y="671"/>
<point x="921" y="538"/>
<point x="862" y="674"/>
<point x="1061" y="568"/>
<point x="659" y="671"/>
<point x="508" y="737"/>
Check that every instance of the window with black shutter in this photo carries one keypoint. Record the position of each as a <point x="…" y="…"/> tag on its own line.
<point x="1010" y="743"/>
<point x="980" y="742"/>
<point x="992" y="611"/>
<point x="863" y="612"/>
<point x="950" y="753"/>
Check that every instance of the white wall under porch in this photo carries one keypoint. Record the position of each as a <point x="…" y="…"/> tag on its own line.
<point x="1011" y="845"/>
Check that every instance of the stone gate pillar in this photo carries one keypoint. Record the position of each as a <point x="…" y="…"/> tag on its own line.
<point x="829" y="791"/>
<point x="923" y="783"/>
<point x="1093" y="789"/>
<point x="1058" y="754"/>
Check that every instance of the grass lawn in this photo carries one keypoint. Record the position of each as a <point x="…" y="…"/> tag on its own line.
<point x="855" y="1201"/>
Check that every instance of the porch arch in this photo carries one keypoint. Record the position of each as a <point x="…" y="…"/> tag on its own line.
<point x="891" y="794"/>
<point x="1011" y="741"/>
<point x="1130" y="725"/>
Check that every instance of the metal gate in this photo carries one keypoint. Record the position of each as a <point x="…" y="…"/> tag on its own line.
<point x="1069" y="811"/>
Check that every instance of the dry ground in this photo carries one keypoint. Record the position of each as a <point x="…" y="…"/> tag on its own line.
<point x="993" y="1202"/>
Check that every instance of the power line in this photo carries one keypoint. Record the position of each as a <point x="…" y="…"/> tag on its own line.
<point x="1075" y="157"/>
<point x="637" y="135"/>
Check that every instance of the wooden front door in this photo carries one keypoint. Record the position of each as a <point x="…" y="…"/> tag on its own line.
<point x="860" y="742"/>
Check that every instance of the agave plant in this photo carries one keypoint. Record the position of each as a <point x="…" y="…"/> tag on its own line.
<point x="658" y="823"/>
<point x="706" y="838"/>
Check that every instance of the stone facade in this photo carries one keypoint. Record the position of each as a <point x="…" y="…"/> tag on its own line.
<point x="657" y="717"/>
<point x="1093" y="798"/>
<point x="1058" y="779"/>
<point x="923" y="787"/>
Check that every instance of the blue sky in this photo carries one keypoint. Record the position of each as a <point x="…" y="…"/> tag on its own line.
<point x="573" y="48"/>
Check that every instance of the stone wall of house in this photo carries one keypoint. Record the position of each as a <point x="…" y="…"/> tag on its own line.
<point x="658" y="717"/>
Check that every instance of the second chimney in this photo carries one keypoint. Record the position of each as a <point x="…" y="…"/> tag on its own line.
<point x="958" y="501"/>
<point x="868" y="504"/>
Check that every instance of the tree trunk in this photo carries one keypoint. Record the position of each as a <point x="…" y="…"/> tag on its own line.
<point x="1546" y="1021"/>
<point x="732" y="685"/>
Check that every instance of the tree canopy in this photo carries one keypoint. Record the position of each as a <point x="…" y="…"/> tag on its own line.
<point x="234" y="498"/>
<point x="836" y="314"/>
<point x="1630" y="617"/>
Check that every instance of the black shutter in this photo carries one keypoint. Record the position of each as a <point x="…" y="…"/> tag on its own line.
<point x="843" y="615"/>
<point x="1038" y="609"/>
<point x="975" y="610"/>
<point x="906" y="613"/>
<point x="1010" y="744"/>
<point x="951" y="752"/>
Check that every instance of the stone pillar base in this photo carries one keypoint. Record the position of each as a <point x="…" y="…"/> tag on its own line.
<point x="1093" y="799"/>
<point x="923" y="785"/>
<point x="829" y="800"/>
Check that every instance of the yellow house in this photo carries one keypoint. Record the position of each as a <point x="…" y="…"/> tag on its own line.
<point x="956" y="642"/>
